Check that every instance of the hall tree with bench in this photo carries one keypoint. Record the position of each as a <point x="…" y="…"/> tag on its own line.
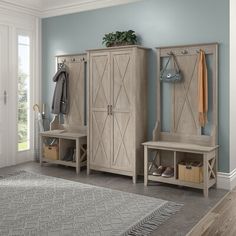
<point x="186" y="141"/>
<point x="69" y="136"/>
<point x="113" y="113"/>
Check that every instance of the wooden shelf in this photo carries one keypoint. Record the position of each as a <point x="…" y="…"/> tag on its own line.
<point x="179" y="182"/>
<point x="59" y="162"/>
<point x="175" y="181"/>
<point x="65" y="163"/>
<point x="181" y="147"/>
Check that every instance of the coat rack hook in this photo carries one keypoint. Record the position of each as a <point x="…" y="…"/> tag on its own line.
<point x="170" y="53"/>
<point x="184" y="52"/>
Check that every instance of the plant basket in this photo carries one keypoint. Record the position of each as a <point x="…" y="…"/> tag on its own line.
<point x="120" y="38"/>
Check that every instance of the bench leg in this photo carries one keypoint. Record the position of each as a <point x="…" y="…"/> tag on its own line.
<point x="145" y="165"/>
<point x="41" y="150"/>
<point x="77" y="156"/>
<point x="205" y="175"/>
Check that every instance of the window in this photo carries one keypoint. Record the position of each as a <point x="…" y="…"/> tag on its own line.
<point x="23" y="93"/>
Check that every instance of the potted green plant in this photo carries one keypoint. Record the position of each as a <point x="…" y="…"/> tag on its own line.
<point x="120" y="38"/>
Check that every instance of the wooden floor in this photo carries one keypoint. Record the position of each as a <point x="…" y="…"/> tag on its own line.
<point x="221" y="221"/>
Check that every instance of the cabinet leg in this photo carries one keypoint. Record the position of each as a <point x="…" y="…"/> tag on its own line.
<point x="88" y="171"/>
<point x="145" y="165"/>
<point x="134" y="179"/>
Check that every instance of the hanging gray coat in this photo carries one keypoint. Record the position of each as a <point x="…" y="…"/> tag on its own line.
<point x="60" y="96"/>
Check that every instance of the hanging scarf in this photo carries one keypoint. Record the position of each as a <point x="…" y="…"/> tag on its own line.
<point x="202" y="89"/>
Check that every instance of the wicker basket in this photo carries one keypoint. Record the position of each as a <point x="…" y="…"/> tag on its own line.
<point x="51" y="152"/>
<point x="190" y="173"/>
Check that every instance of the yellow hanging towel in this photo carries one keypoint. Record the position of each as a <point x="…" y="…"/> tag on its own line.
<point x="202" y="89"/>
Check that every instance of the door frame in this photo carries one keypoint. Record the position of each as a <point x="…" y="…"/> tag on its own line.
<point x="21" y="22"/>
<point x="4" y="47"/>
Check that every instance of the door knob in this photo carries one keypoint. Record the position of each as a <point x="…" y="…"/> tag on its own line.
<point x="5" y="97"/>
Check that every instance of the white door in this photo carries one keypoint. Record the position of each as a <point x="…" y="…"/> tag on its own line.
<point x="4" y="71"/>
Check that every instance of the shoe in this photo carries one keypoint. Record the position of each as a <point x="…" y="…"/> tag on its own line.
<point x="159" y="171"/>
<point x="152" y="168"/>
<point x="168" y="173"/>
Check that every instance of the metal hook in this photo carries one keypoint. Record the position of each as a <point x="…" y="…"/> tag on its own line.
<point x="170" y="53"/>
<point x="62" y="64"/>
<point x="184" y="52"/>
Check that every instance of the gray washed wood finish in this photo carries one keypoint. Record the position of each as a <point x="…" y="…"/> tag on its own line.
<point x="117" y="109"/>
<point x="185" y="131"/>
<point x="73" y="130"/>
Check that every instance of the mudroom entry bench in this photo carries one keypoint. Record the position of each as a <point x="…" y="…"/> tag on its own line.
<point x="66" y="143"/>
<point x="65" y="140"/>
<point x="184" y="147"/>
<point x="178" y="152"/>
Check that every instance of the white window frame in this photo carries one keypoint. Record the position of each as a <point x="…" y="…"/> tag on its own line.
<point x="26" y="155"/>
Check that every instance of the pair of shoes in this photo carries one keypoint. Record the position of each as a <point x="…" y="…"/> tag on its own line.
<point x="166" y="172"/>
<point x="159" y="171"/>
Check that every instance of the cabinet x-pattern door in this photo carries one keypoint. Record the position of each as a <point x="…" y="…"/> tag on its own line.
<point x="100" y="120"/>
<point x="122" y="110"/>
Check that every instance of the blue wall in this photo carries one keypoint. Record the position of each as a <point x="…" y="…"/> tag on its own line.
<point x="158" y="23"/>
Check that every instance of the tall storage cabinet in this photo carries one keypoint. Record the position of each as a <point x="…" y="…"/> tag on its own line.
<point x="117" y="109"/>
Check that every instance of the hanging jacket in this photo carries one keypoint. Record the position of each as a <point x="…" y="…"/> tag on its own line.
<point x="60" y="96"/>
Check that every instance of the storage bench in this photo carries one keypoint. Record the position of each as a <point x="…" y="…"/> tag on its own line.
<point x="65" y="140"/>
<point x="208" y="156"/>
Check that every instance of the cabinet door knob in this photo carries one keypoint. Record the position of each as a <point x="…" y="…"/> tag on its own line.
<point x="110" y="109"/>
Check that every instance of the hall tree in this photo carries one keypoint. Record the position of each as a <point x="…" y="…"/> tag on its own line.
<point x="19" y="47"/>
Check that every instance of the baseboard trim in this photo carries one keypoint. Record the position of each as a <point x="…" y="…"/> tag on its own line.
<point x="226" y="180"/>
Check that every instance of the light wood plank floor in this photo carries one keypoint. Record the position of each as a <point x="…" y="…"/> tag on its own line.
<point x="221" y="221"/>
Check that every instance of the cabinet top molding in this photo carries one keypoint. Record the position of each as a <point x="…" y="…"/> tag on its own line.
<point x="119" y="47"/>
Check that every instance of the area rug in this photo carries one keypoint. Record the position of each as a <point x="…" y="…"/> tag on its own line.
<point x="33" y="204"/>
